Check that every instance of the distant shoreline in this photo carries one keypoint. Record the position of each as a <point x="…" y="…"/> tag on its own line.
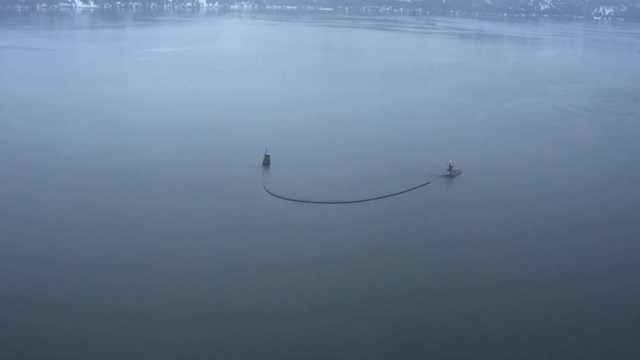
<point x="372" y="10"/>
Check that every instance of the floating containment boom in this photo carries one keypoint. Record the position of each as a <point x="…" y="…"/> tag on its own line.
<point x="266" y="161"/>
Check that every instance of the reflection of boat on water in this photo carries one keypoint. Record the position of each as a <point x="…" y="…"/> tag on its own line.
<point x="451" y="170"/>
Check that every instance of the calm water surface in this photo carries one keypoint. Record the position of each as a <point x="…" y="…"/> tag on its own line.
<point x="133" y="224"/>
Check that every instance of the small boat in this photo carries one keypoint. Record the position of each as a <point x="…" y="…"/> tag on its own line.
<point x="266" y="160"/>
<point x="451" y="170"/>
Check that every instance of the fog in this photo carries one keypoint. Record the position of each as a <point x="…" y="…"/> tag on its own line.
<point x="134" y="223"/>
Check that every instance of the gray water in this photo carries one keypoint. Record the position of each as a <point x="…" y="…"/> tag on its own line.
<point x="133" y="223"/>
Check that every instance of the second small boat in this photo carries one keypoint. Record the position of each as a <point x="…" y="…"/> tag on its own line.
<point x="451" y="170"/>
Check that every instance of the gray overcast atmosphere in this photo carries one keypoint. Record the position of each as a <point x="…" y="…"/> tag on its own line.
<point x="134" y="223"/>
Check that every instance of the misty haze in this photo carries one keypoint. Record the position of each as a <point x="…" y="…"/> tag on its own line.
<point x="138" y="221"/>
